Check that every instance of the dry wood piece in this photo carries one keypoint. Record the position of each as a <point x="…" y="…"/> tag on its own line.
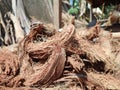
<point x="6" y="38"/>
<point x="19" y="33"/>
<point x="116" y="35"/>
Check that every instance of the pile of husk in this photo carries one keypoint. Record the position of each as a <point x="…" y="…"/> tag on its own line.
<point x="73" y="58"/>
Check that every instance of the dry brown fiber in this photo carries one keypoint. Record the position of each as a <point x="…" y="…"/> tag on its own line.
<point x="41" y="62"/>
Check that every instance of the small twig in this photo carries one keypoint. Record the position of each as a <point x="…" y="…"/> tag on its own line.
<point x="103" y="20"/>
<point x="19" y="33"/>
<point x="12" y="35"/>
<point x="103" y="8"/>
<point x="4" y="27"/>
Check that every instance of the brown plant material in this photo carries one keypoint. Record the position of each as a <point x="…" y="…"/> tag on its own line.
<point x="17" y="88"/>
<point x="9" y="66"/>
<point x="40" y="56"/>
<point x="48" y="70"/>
<point x="76" y="62"/>
<point x="106" y="81"/>
<point x="81" y="45"/>
<point x="44" y="56"/>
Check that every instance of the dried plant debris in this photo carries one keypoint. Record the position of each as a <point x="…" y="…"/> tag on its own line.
<point x="77" y="59"/>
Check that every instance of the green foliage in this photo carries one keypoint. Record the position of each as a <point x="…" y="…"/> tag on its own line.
<point x="73" y="10"/>
<point x="107" y="10"/>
